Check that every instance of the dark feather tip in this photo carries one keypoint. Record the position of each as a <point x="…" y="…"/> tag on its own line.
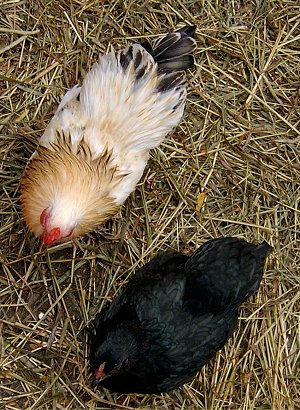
<point x="188" y="30"/>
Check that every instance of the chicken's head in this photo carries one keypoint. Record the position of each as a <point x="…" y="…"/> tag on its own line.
<point x="117" y="353"/>
<point x="108" y="362"/>
<point x="52" y="234"/>
<point x="66" y="192"/>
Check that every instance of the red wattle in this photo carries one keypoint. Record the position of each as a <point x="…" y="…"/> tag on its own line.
<point x="49" y="237"/>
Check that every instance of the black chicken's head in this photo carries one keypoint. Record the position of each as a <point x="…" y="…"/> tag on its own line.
<point x="115" y="354"/>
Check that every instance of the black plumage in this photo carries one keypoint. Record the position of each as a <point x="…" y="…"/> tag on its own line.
<point x="174" y="315"/>
<point x="173" y="53"/>
<point x="174" y="50"/>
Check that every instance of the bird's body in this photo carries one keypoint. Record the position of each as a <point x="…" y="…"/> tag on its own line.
<point x="95" y="148"/>
<point x="173" y="316"/>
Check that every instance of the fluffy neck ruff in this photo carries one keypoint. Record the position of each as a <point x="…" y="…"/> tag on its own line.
<point x="76" y="187"/>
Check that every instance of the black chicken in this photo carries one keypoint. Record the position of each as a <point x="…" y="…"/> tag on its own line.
<point x="174" y="315"/>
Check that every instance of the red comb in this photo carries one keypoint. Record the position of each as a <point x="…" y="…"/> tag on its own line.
<point x="99" y="373"/>
<point x="44" y="217"/>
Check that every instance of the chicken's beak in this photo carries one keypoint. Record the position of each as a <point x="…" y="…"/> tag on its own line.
<point x="95" y="383"/>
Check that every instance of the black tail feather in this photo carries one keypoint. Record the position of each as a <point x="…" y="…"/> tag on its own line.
<point x="174" y="50"/>
<point x="224" y="273"/>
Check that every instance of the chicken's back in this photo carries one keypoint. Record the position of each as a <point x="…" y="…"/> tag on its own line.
<point x="137" y="95"/>
<point x="128" y="103"/>
<point x="131" y="98"/>
<point x="223" y="273"/>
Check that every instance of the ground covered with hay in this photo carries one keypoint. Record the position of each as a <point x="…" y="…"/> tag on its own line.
<point x="230" y="168"/>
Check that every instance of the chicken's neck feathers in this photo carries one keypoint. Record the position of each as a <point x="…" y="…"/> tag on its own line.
<point x="77" y="188"/>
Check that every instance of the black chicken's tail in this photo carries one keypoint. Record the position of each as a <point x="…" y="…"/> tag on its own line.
<point x="173" y="51"/>
<point x="223" y="273"/>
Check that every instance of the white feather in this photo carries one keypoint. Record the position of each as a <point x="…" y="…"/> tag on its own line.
<point x="122" y="113"/>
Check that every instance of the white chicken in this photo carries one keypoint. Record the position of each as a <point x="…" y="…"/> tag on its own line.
<point x="95" y="148"/>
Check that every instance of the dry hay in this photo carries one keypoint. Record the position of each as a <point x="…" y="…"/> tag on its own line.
<point x="230" y="168"/>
